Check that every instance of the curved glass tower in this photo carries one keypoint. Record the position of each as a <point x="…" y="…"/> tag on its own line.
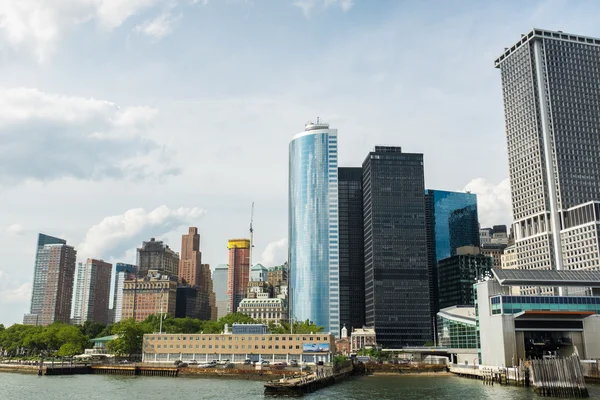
<point x="313" y="227"/>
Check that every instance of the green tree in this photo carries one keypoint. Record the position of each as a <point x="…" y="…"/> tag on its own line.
<point x="92" y="329"/>
<point x="130" y="336"/>
<point x="70" y="349"/>
<point x="301" y="327"/>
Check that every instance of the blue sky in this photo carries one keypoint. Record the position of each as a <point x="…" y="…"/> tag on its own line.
<point x="122" y="120"/>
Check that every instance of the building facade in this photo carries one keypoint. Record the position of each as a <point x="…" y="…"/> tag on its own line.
<point x="154" y="294"/>
<point x="362" y="338"/>
<point x="351" y="248"/>
<point x="259" y="273"/>
<point x="156" y="256"/>
<point x="58" y="293"/>
<point x="552" y="112"/>
<point x="495" y="251"/>
<point x="456" y="276"/>
<point x="189" y="271"/>
<point x="265" y="309"/>
<point x="313" y="226"/>
<point x="195" y="280"/>
<point x="123" y="272"/>
<point x="238" y="347"/>
<point x="278" y="275"/>
<point x="91" y="292"/>
<point x="220" y="276"/>
<point x="239" y="272"/>
<point x="457" y="332"/>
<point x="452" y="222"/>
<point x="40" y="276"/>
<point x="396" y="266"/>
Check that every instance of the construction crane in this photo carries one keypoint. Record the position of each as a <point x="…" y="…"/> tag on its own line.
<point x="251" y="243"/>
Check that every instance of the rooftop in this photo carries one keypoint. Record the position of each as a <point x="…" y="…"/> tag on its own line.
<point x="519" y="277"/>
<point x="542" y="33"/>
<point x="464" y="314"/>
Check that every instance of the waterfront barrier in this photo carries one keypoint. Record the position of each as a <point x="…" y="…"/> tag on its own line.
<point x="559" y="377"/>
<point x="134" y="370"/>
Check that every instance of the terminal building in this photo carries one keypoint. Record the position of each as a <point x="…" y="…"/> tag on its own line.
<point x="513" y="328"/>
<point x="244" y="341"/>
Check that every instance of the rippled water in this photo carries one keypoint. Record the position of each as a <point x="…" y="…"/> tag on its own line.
<point x="103" y="387"/>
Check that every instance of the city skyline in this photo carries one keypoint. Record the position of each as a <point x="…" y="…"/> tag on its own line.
<point x="163" y="120"/>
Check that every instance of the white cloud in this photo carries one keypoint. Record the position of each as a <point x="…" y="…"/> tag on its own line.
<point x="307" y="6"/>
<point x="493" y="201"/>
<point x="275" y="253"/>
<point x="37" y="25"/>
<point x="13" y="292"/>
<point x="117" y="234"/>
<point x="158" y="27"/>
<point x="70" y="136"/>
<point x="15" y="230"/>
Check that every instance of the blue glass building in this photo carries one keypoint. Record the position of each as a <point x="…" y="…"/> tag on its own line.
<point x="313" y="227"/>
<point x="452" y="222"/>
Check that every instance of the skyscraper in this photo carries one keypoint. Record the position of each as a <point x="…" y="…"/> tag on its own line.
<point x="155" y="293"/>
<point x="156" y="256"/>
<point x="123" y="272"/>
<point x="239" y="272"/>
<point x="220" y="276"/>
<point x="396" y="270"/>
<point x="451" y="219"/>
<point x="191" y="259"/>
<point x="352" y="267"/>
<point x="195" y="278"/>
<point x="313" y="227"/>
<point x="91" y="292"/>
<point x="552" y="115"/>
<point x="40" y="275"/>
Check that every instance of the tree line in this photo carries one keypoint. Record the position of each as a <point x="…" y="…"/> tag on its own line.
<point x="63" y="340"/>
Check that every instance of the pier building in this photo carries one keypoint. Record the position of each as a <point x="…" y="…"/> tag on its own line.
<point x="252" y="344"/>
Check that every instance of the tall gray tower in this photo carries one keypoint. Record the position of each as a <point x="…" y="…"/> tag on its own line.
<point x="551" y="90"/>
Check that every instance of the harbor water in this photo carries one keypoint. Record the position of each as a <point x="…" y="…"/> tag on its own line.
<point x="102" y="387"/>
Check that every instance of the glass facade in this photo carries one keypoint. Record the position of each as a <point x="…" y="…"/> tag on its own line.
<point x="313" y="227"/>
<point x="503" y="304"/>
<point x="456" y="334"/>
<point x="456" y="276"/>
<point x="452" y="222"/>
<point x="352" y="268"/>
<point x="396" y="269"/>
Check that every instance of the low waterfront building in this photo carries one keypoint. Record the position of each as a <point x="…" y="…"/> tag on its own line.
<point x="100" y="345"/>
<point x="457" y="332"/>
<point x="238" y="347"/>
<point x="514" y="328"/>
<point x="264" y="309"/>
<point x="361" y="338"/>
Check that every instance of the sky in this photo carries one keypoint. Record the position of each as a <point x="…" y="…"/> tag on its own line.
<point x="122" y="120"/>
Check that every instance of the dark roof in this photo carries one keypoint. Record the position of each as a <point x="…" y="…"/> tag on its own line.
<point x="520" y="277"/>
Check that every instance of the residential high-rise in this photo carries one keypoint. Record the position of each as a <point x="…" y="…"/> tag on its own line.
<point x="212" y="312"/>
<point x="91" y="292"/>
<point x="351" y="238"/>
<point x="278" y="275"/>
<point x="452" y="222"/>
<point x="239" y="272"/>
<point x="40" y="275"/>
<point x="552" y="114"/>
<point x="156" y="256"/>
<point x="396" y="269"/>
<point x="155" y="293"/>
<point x="220" y="276"/>
<point x="123" y="272"/>
<point x="313" y="227"/>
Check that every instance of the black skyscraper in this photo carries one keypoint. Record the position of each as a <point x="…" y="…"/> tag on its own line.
<point x="396" y="274"/>
<point x="351" y="242"/>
